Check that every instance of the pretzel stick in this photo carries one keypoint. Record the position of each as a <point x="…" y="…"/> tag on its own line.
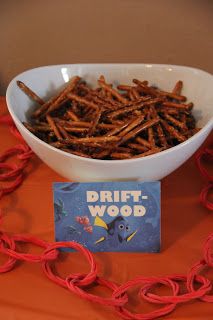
<point x="178" y="87"/>
<point x="32" y="95"/>
<point x="71" y="85"/>
<point x="134" y="107"/>
<point x="137" y="147"/>
<point x="53" y="127"/>
<point x="102" y="139"/>
<point x="76" y="130"/>
<point x="29" y="127"/>
<point x="160" y="133"/>
<point x="151" y="138"/>
<point x="42" y="128"/>
<point x="80" y="154"/>
<point x="57" y="144"/>
<point x="72" y="115"/>
<point x="107" y="126"/>
<point x="120" y="155"/>
<point x="123" y="149"/>
<point x="176" y="122"/>
<point x="178" y="105"/>
<point x="124" y="87"/>
<point x="82" y="100"/>
<point x="173" y="111"/>
<point x="138" y="129"/>
<point x="107" y="101"/>
<point x="131" y="96"/>
<point x="117" y="129"/>
<point x="131" y="126"/>
<point x="148" y="153"/>
<point x="172" y="131"/>
<point x="47" y="104"/>
<point x="63" y="131"/>
<point x="85" y="124"/>
<point x="183" y="119"/>
<point x="94" y="123"/>
<point x="156" y="93"/>
<point x="143" y="142"/>
<point x="112" y="91"/>
<point x="135" y="93"/>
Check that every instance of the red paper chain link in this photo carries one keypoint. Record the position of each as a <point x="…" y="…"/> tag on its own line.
<point x="77" y="283"/>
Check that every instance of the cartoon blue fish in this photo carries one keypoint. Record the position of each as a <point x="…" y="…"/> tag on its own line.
<point x="117" y="231"/>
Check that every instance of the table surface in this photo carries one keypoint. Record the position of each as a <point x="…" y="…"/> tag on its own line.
<point x="27" y="294"/>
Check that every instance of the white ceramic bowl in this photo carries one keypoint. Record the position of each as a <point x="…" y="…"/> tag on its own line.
<point x="198" y="87"/>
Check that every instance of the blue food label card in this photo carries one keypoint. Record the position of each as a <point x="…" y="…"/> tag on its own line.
<point x="109" y="216"/>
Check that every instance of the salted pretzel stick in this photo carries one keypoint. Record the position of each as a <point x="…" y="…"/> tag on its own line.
<point x="124" y="87"/>
<point x="107" y="93"/>
<point x="102" y="139"/>
<point x="32" y="95"/>
<point x="172" y="95"/>
<point x="178" y="87"/>
<point x="148" y="153"/>
<point x="123" y="149"/>
<point x="50" y="102"/>
<point x="138" y="129"/>
<point x="134" y="107"/>
<point x="176" y="122"/>
<point x="85" y="124"/>
<point x="113" y="92"/>
<point x="72" y="115"/>
<point x="120" y="155"/>
<point x="42" y="128"/>
<point x="63" y="131"/>
<point x="190" y="133"/>
<point x="80" y="154"/>
<point x="145" y="88"/>
<point x="156" y="93"/>
<point x="116" y="130"/>
<point x="107" y="126"/>
<point x="71" y="85"/>
<point x="133" y="103"/>
<point x="172" y="131"/>
<point x="94" y="123"/>
<point x="57" y="144"/>
<point x="29" y="127"/>
<point x="53" y="127"/>
<point x="131" y="96"/>
<point x="183" y="119"/>
<point x="137" y="147"/>
<point x="76" y="130"/>
<point x="178" y="105"/>
<point x="143" y="142"/>
<point x="160" y="133"/>
<point x="168" y="110"/>
<point x="131" y="126"/>
<point x="82" y="100"/>
<point x="151" y="138"/>
<point x="135" y="93"/>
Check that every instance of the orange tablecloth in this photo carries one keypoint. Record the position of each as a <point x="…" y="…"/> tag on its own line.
<point x="27" y="294"/>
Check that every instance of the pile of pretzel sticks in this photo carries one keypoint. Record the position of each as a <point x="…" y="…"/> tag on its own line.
<point x="130" y="121"/>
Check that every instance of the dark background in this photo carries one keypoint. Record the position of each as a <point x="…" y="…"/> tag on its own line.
<point x="35" y="33"/>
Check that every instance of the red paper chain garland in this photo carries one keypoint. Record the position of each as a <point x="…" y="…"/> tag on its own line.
<point x="77" y="283"/>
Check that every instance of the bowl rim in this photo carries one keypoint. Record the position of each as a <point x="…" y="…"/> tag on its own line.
<point x="208" y="125"/>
